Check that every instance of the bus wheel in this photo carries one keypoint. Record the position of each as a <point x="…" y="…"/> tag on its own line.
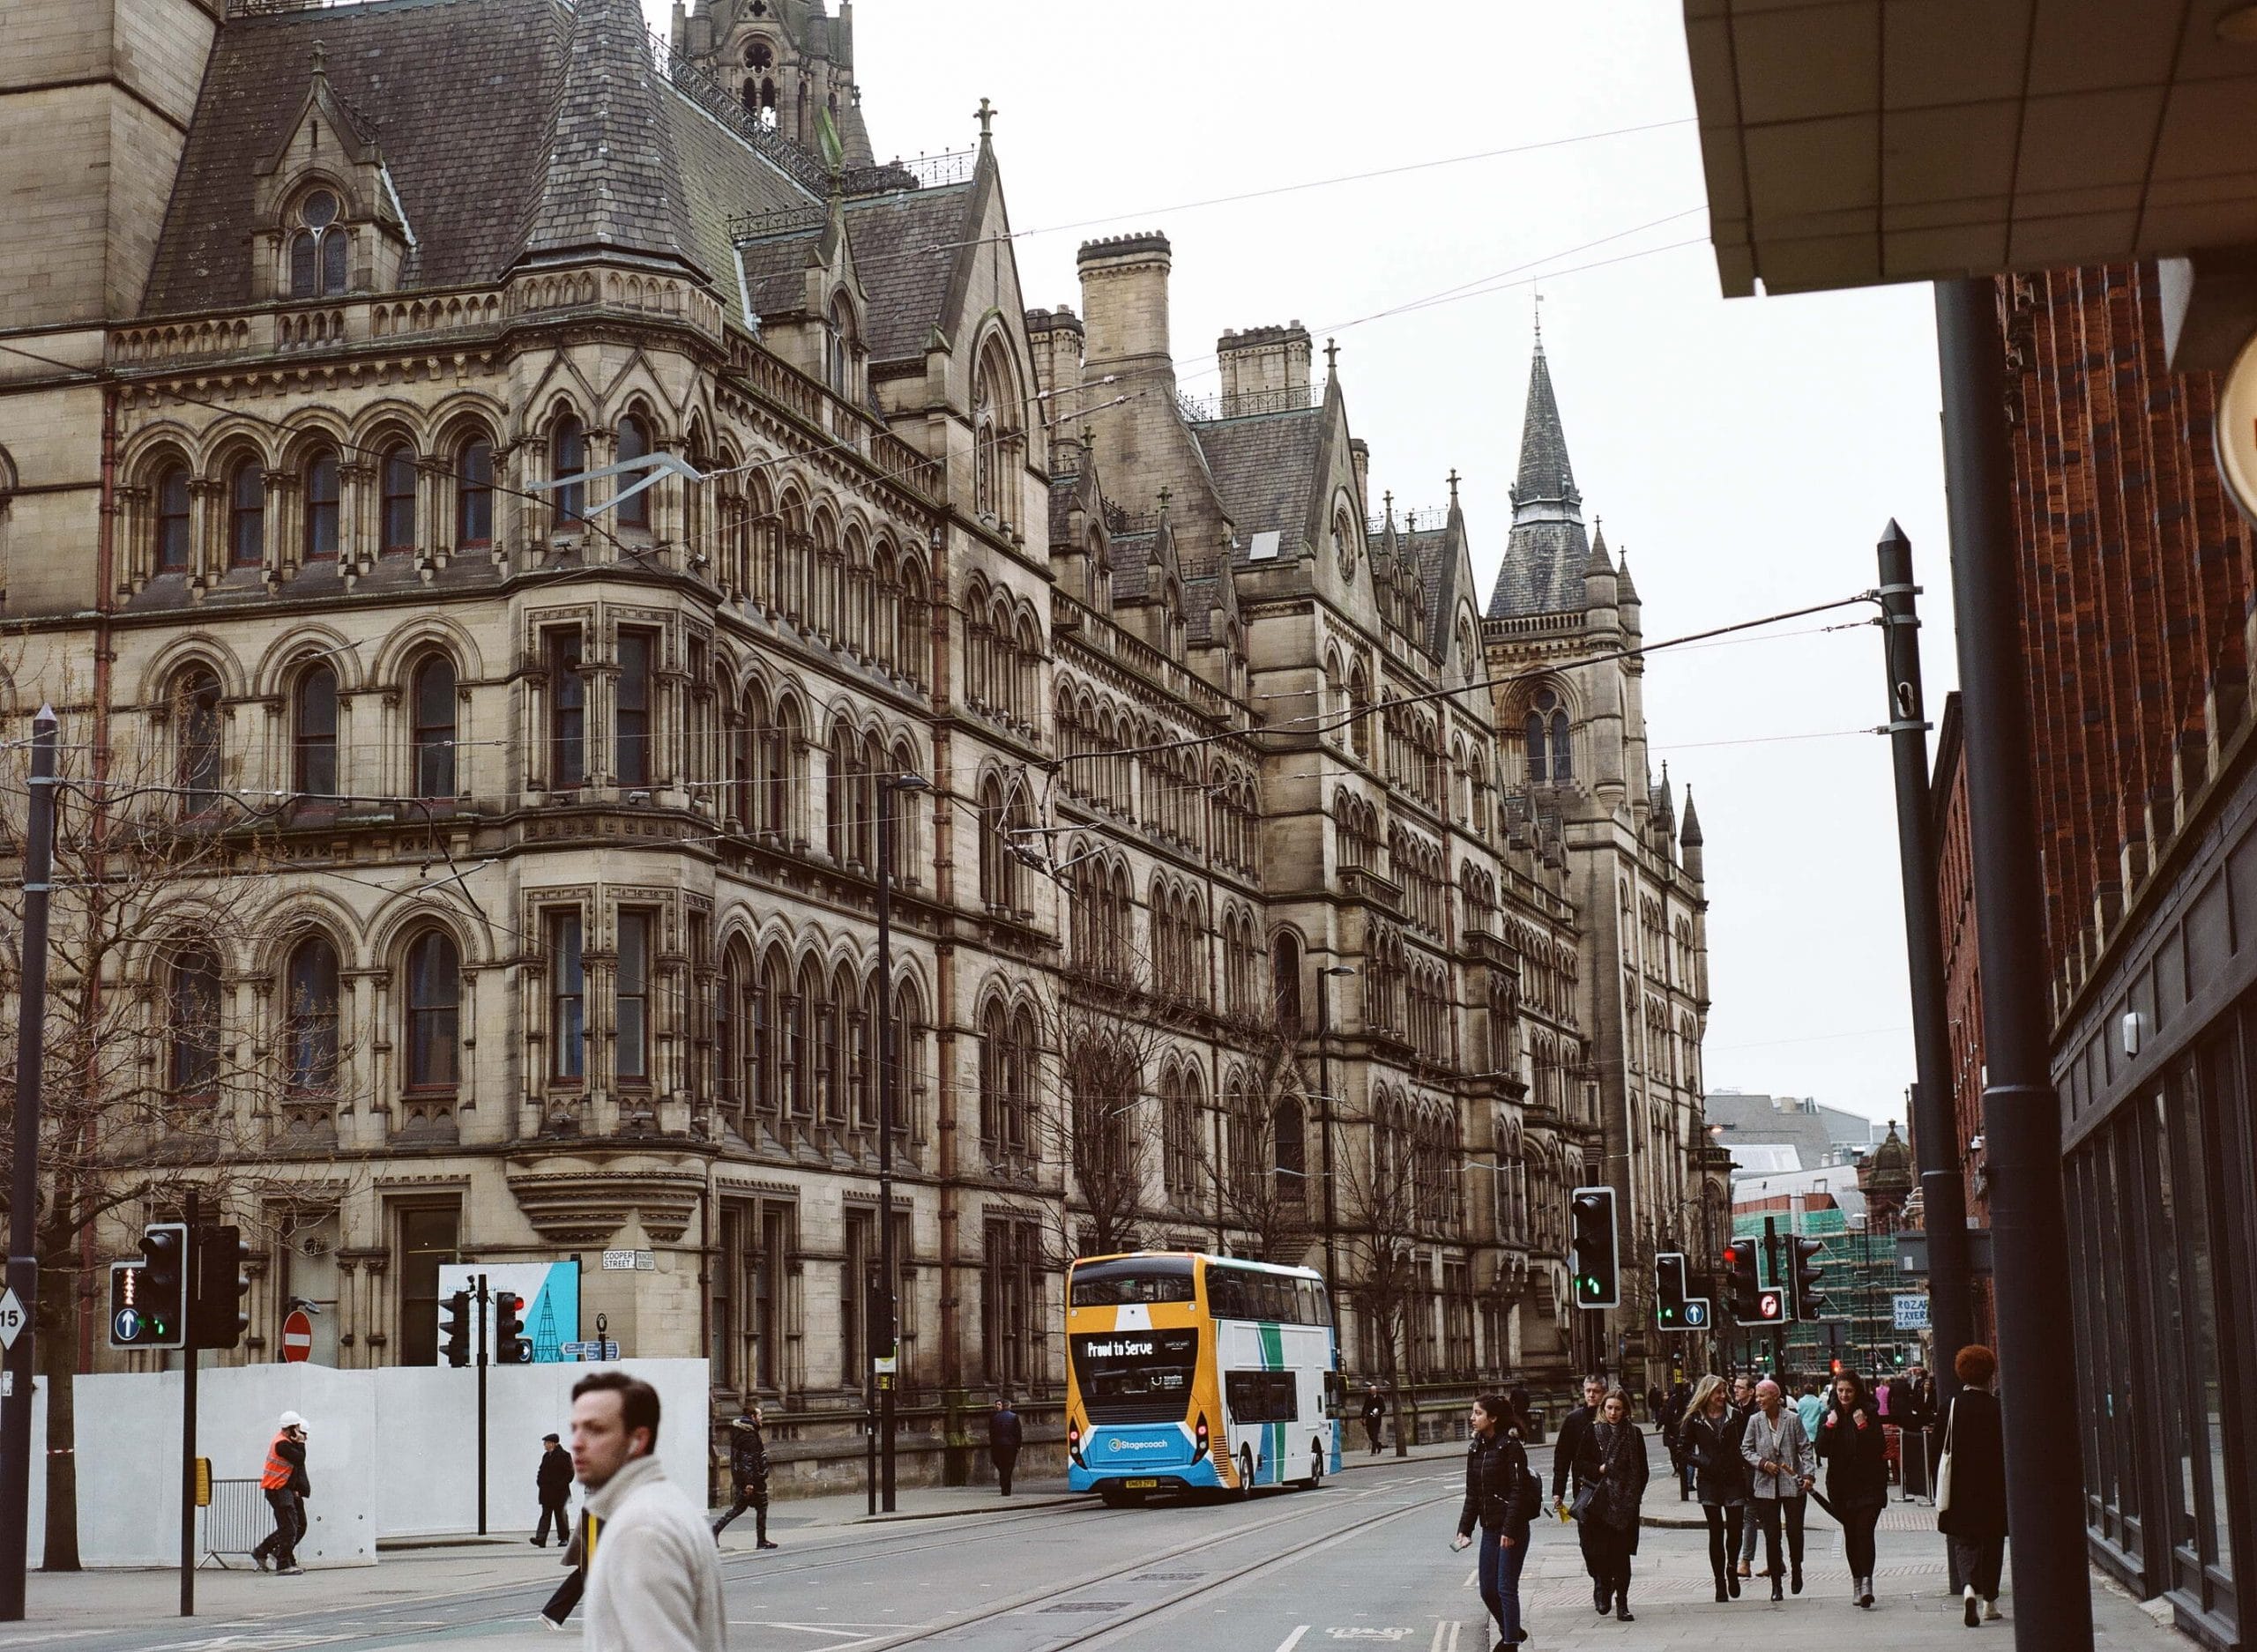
<point x="1244" y="1471"/>
<point x="1316" y="1468"/>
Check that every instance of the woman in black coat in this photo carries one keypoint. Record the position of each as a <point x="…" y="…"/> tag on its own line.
<point x="1972" y="1513"/>
<point x="1710" y="1436"/>
<point x="1854" y="1447"/>
<point x="1497" y="1501"/>
<point x="1614" y="1463"/>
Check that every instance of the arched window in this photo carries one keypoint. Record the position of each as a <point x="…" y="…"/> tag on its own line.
<point x="321" y="507"/>
<point x="246" y="515"/>
<point x="310" y="1035"/>
<point x="474" y="493"/>
<point x="314" y="737"/>
<point x="1286" y="981"/>
<point x="1548" y="759"/>
<point x="434" y="1010"/>
<point x="995" y="418"/>
<point x="838" y="347"/>
<point x="396" y="474"/>
<point x="432" y="693"/>
<point x="197" y="705"/>
<point x="319" y="246"/>
<point x="634" y="443"/>
<point x="1360" y="719"/>
<point x="174" y="539"/>
<point x="192" y="1025"/>
<point x="1290" y="1146"/>
<point x="567" y="457"/>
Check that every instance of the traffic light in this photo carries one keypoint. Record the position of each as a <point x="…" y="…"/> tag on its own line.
<point x="220" y="1278"/>
<point x="148" y="1299"/>
<point x="454" y="1329"/>
<point x="1741" y="1284"/>
<point x="1596" y="1249"/>
<point x="1803" y="1277"/>
<point x="511" y="1344"/>
<point x="1669" y="1291"/>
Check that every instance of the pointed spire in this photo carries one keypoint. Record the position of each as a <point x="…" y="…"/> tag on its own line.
<point x="1545" y="490"/>
<point x="1626" y="589"/>
<point x="1599" y="562"/>
<point x="1547" y="554"/>
<point x="1689" y="836"/>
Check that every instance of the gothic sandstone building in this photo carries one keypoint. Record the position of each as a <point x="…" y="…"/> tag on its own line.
<point x="514" y="829"/>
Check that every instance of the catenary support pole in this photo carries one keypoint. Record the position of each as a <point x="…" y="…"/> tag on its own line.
<point x="887" y="792"/>
<point x="23" y="1188"/>
<point x="2021" y="1118"/>
<point x="1935" y="1131"/>
<point x="190" y="1356"/>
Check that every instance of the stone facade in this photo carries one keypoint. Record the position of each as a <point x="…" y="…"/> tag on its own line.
<point x="546" y="811"/>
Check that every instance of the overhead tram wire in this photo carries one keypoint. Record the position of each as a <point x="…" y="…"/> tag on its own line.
<point x="1324" y="722"/>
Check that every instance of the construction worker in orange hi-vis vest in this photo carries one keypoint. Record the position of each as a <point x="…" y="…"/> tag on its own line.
<point x="284" y="1481"/>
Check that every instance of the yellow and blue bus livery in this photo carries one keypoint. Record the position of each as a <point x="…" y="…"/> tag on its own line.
<point x="1187" y="1372"/>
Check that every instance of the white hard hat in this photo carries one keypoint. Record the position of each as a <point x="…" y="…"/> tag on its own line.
<point x="291" y="1420"/>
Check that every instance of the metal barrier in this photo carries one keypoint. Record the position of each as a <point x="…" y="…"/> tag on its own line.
<point x="235" y="1523"/>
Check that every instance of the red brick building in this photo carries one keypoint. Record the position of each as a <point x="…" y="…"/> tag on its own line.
<point x="2136" y="574"/>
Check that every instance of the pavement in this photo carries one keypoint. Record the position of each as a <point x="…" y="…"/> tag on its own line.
<point x="1366" y="1561"/>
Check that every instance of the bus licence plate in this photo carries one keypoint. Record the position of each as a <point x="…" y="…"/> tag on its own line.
<point x="1140" y="1485"/>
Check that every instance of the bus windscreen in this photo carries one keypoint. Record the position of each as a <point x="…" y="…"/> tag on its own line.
<point x="1135" y="1376"/>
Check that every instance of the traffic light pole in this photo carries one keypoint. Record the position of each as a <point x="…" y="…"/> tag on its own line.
<point x="22" y="1361"/>
<point x="481" y="1405"/>
<point x="190" y="1359"/>
<point x="1935" y="1132"/>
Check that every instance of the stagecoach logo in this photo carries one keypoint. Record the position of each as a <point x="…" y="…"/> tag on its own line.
<point x="1119" y="1444"/>
<point x="1117" y="1349"/>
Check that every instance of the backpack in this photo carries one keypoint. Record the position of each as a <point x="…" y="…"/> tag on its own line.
<point x="1528" y="1497"/>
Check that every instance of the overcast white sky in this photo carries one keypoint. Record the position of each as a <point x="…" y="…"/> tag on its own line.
<point x="1745" y="454"/>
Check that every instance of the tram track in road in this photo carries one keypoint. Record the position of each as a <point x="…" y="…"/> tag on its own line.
<point x="1138" y="1613"/>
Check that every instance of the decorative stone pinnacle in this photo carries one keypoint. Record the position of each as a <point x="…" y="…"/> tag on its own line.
<point x="321" y="60"/>
<point x="1453" y="484"/>
<point x="986" y="118"/>
<point x="1332" y="355"/>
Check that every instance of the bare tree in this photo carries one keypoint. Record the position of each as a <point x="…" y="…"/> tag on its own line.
<point x="1380" y="1191"/>
<point x="1103" y="1041"/>
<point x="1262" y="1181"/>
<point x="146" y="1093"/>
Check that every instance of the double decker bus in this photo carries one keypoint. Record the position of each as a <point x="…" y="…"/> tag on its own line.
<point x="1187" y="1372"/>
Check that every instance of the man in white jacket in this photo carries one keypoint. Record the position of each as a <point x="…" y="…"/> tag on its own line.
<point x="654" y="1582"/>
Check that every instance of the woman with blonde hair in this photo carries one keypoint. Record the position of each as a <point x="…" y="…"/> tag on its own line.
<point x="1710" y="1432"/>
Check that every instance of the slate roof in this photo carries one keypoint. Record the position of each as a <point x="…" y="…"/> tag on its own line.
<point x="1264" y="468"/>
<point x="506" y="126"/>
<point x="906" y="249"/>
<point x="611" y="180"/>
<point x="1547" y="550"/>
<point x="1435" y="552"/>
<point x="776" y="272"/>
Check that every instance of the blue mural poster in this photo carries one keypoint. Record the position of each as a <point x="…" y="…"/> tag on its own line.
<point x="552" y="1300"/>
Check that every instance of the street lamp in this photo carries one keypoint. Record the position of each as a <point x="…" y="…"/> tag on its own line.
<point x="888" y="786"/>
<point x="1324" y="1083"/>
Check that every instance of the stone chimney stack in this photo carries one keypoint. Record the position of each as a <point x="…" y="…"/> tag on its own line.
<point x="1359" y="454"/>
<point x="1265" y="369"/>
<point x="1124" y="300"/>
<point x="1056" y="336"/>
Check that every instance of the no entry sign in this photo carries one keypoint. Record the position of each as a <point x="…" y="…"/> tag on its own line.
<point x="297" y="1337"/>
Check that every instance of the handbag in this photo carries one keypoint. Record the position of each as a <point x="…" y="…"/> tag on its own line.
<point x="1943" y="1463"/>
<point x="1580" y="1509"/>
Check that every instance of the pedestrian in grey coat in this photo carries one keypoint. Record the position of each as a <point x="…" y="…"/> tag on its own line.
<point x="1784" y="1466"/>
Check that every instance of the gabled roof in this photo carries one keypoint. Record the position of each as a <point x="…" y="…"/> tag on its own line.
<point x="1265" y="469"/>
<point x="909" y="246"/>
